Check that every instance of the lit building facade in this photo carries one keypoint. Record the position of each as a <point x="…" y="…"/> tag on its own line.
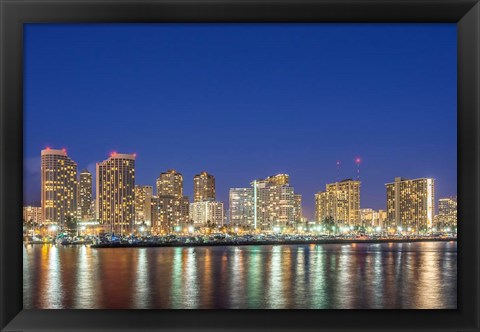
<point x="169" y="214"/>
<point x="115" y="191"/>
<point x="170" y="183"/>
<point x="32" y="214"/>
<point x="155" y="214"/>
<point x="298" y="207"/>
<point x="171" y="208"/>
<point x="241" y="212"/>
<point x="207" y="213"/>
<point x="203" y="187"/>
<point x="373" y="218"/>
<point x="340" y="201"/>
<point x="411" y="204"/>
<point x="274" y="180"/>
<point x="271" y="204"/>
<point x="85" y="196"/>
<point x="275" y="204"/>
<point x="58" y="187"/>
<point x="447" y="213"/>
<point x="143" y="205"/>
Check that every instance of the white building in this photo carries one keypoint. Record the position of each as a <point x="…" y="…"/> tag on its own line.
<point x="241" y="207"/>
<point x="58" y="187"/>
<point x="116" y="192"/>
<point x="207" y="212"/>
<point x="270" y="203"/>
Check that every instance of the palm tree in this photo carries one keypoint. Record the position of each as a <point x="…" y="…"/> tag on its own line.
<point x="70" y="222"/>
<point x="329" y="223"/>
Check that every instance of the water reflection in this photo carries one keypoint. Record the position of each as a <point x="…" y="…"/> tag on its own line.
<point x="395" y="275"/>
<point x="254" y="287"/>
<point x="86" y="279"/>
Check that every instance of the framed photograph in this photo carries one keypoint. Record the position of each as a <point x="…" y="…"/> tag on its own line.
<point x="224" y="165"/>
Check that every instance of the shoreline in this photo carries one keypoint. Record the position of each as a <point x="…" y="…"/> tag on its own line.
<point x="264" y="243"/>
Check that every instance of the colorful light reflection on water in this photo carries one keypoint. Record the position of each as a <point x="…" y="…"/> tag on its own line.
<point x="328" y="276"/>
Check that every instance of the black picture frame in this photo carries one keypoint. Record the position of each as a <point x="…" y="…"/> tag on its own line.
<point x="15" y="13"/>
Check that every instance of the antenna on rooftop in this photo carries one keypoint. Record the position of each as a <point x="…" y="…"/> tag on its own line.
<point x="338" y="170"/>
<point x="358" y="161"/>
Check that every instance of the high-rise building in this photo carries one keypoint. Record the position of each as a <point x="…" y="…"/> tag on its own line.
<point x="170" y="183"/>
<point x="32" y="214"/>
<point x="298" y="207"/>
<point x="410" y="204"/>
<point x="323" y="208"/>
<point x="340" y="201"/>
<point x="58" y="187"/>
<point x="143" y="205"/>
<point x="116" y="192"/>
<point x="203" y="187"/>
<point x="447" y="213"/>
<point x="85" y="187"/>
<point x="275" y="205"/>
<point x="271" y="204"/>
<point x="241" y="207"/>
<point x="171" y="207"/>
<point x="207" y="213"/>
<point x="169" y="214"/>
<point x="447" y="206"/>
<point x="155" y="213"/>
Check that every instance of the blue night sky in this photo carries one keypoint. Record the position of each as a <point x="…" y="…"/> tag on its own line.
<point x="245" y="101"/>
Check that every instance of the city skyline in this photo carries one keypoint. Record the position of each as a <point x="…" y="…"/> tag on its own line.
<point x="170" y="185"/>
<point x="308" y="107"/>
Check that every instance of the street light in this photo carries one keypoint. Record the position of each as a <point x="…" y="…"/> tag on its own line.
<point x="53" y="228"/>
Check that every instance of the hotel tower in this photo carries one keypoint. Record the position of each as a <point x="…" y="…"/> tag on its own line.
<point x="58" y="187"/>
<point x="115" y="201"/>
<point x="411" y="204"/>
<point x="85" y="185"/>
<point x="340" y="201"/>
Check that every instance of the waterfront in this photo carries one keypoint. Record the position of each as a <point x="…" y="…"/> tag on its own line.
<point x="324" y="276"/>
